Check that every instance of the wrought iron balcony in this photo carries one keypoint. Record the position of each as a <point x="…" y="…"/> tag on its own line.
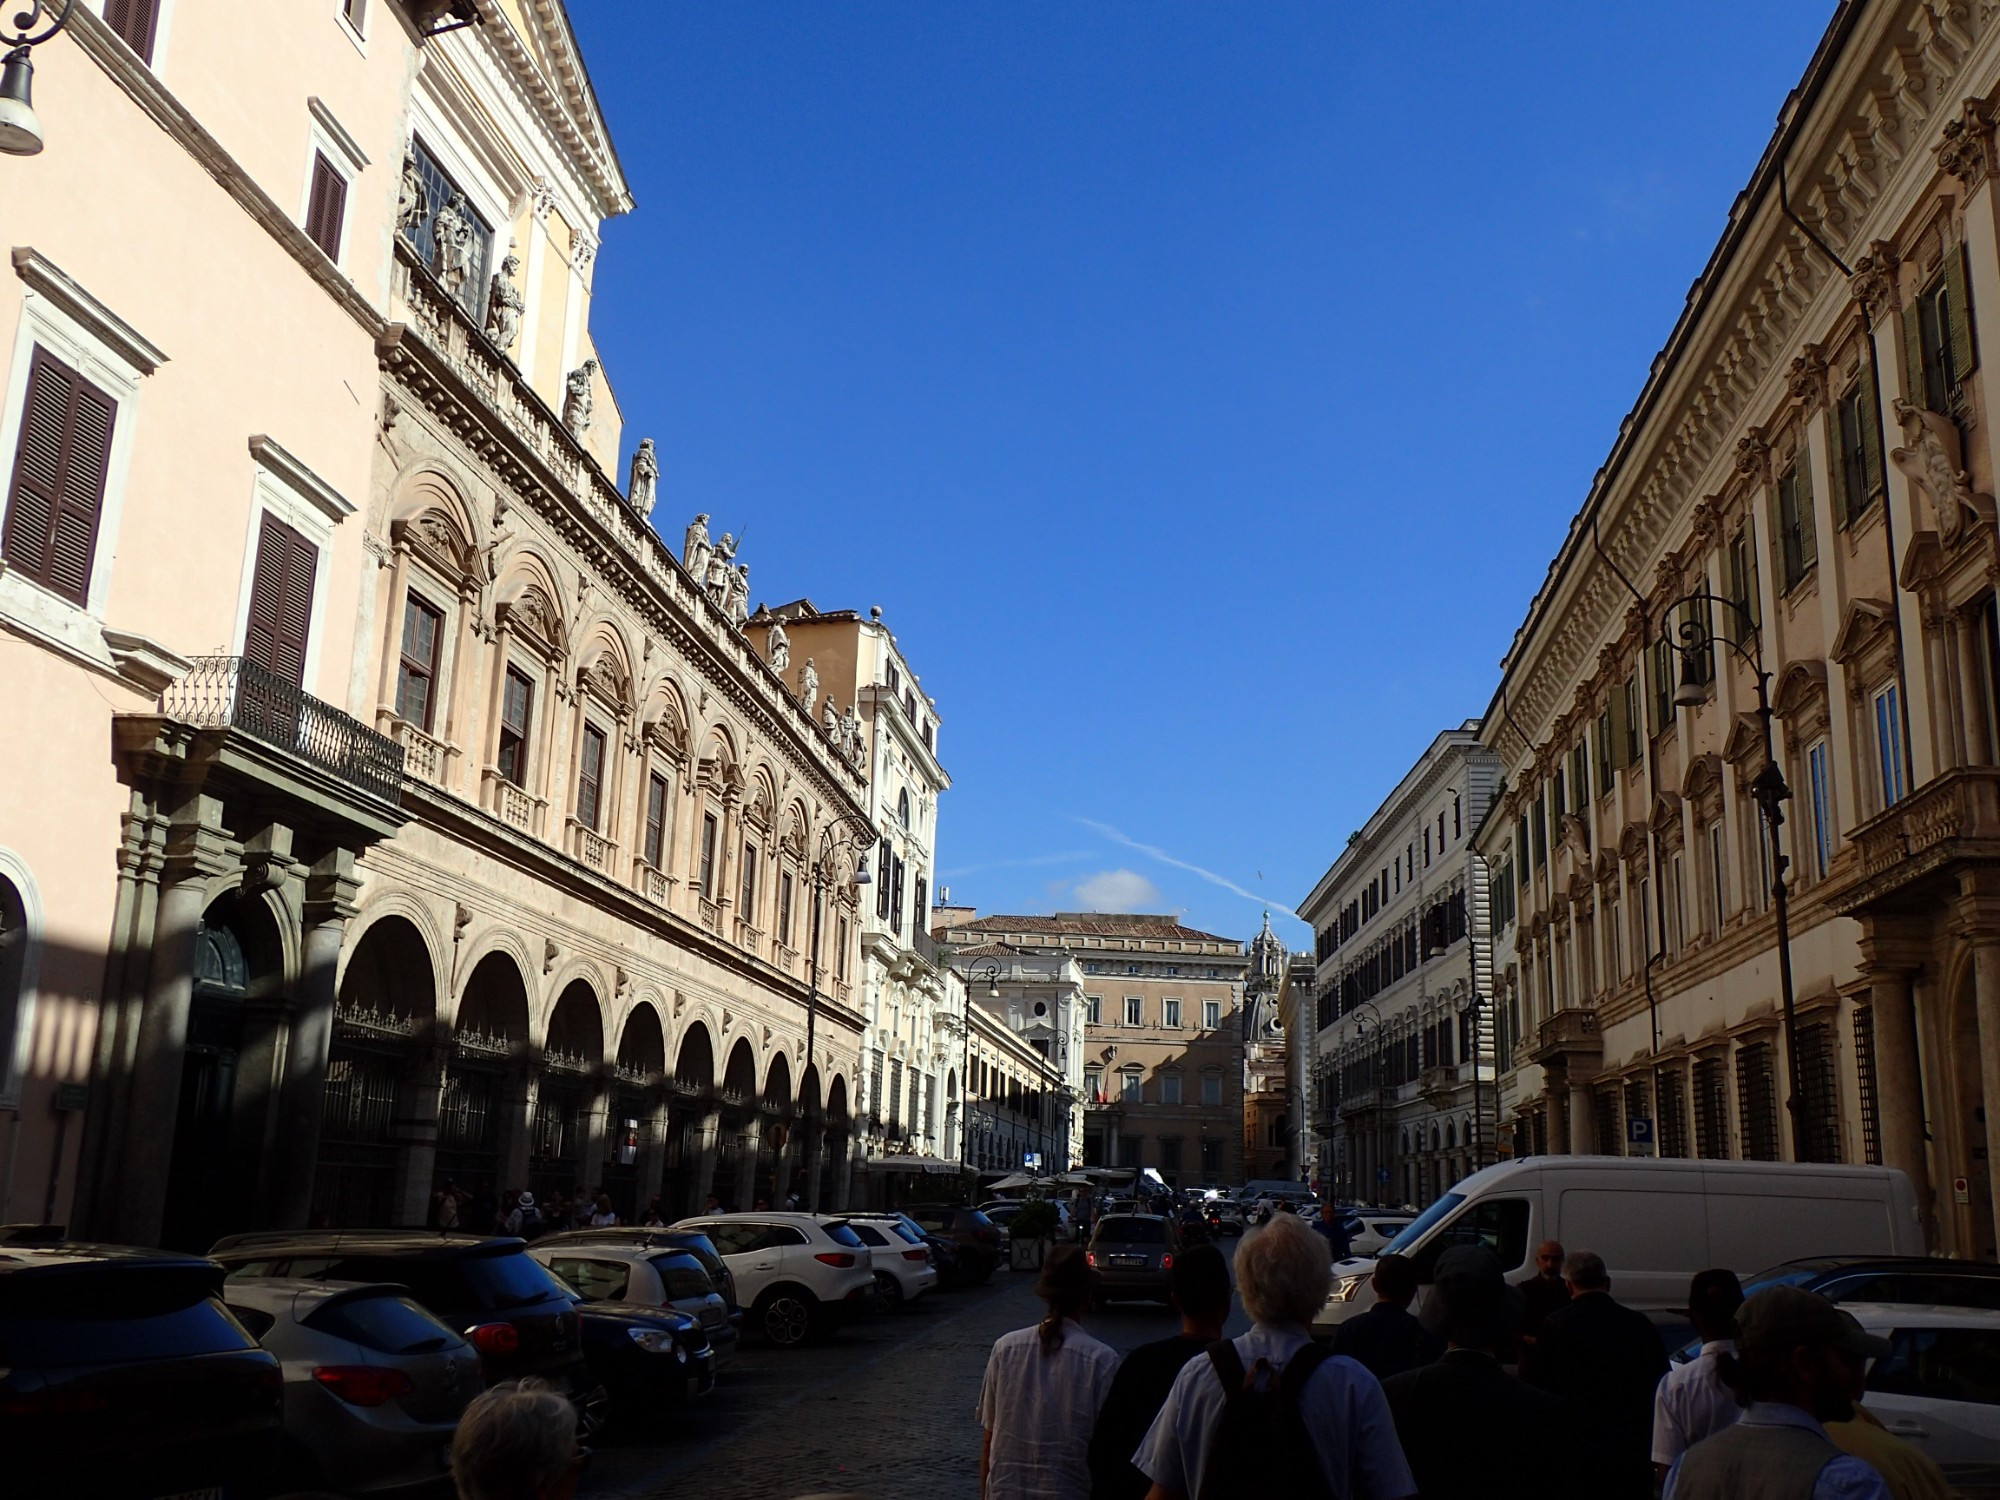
<point x="926" y="948"/>
<point x="233" y="692"/>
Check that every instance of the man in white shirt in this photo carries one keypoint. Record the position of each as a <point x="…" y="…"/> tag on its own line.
<point x="1692" y="1401"/>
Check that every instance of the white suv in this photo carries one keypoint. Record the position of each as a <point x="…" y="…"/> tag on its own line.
<point x="903" y="1269"/>
<point x="797" y="1274"/>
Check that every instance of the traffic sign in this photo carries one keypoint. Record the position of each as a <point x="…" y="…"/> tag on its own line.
<point x="1032" y="1160"/>
<point x="1382" y="1174"/>
<point x="1639" y="1131"/>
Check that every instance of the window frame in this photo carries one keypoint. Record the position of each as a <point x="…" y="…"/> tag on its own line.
<point x="655" y="821"/>
<point x="1211" y="1083"/>
<point x="415" y="604"/>
<point x="1135" y="1010"/>
<point x="1211" y="1015"/>
<point x="1170" y="1014"/>
<point x="329" y="141"/>
<point x="1819" y="799"/>
<point x="523" y="734"/>
<point x="294" y="495"/>
<point x="588" y="778"/>
<point x="706" y="849"/>
<point x="1885" y="714"/>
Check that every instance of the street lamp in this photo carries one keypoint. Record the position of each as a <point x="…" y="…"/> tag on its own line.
<point x="856" y="840"/>
<point x="1768" y="790"/>
<point x="26" y="29"/>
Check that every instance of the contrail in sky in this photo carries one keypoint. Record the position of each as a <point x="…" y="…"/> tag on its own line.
<point x="1180" y="864"/>
<point x="1067" y="857"/>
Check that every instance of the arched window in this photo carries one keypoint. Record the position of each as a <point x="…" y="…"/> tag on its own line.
<point x="20" y="962"/>
<point x="903" y="807"/>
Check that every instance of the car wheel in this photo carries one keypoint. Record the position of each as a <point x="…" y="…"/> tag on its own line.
<point x="593" y="1414"/>
<point x="888" y="1292"/>
<point x="786" y="1316"/>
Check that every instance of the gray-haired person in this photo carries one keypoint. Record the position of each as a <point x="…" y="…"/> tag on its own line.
<point x="1283" y="1275"/>
<point x="1605" y="1361"/>
<point x="517" y="1441"/>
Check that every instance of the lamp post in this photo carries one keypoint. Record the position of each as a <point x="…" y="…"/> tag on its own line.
<point x="990" y="967"/>
<point x="1768" y="790"/>
<point x="29" y="23"/>
<point x="843" y="833"/>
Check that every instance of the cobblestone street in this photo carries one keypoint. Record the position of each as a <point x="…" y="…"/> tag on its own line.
<point x="885" y="1408"/>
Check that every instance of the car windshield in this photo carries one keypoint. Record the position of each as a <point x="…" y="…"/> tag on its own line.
<point x="1420" y="1226"/>
<point x="504" y="1281"/>
<point x="683" y="1277"/>
<point x="1132" y="1231"/>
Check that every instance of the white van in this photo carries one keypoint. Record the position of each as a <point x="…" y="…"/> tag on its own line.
<point x="1655" y="1222"/>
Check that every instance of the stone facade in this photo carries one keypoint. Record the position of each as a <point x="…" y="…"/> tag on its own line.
<point x="1024" y="1056"/>
<point x="1403" y="1043"/>
<point x="1813" y="451"/>
<point x="1270" y="1136"/>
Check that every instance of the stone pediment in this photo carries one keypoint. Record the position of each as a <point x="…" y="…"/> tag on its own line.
<point x="1746" y="740"/>
<point x="1864" y="620"/>
<point x="1798" y="685"/>
<point x="1607" y="867"/>
<point x="1632" y="840"/>
<point x="1666" y="812"/>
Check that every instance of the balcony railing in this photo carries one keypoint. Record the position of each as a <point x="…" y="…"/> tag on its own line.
<point x="233" y="692"/>
<point x="926" y="948"/>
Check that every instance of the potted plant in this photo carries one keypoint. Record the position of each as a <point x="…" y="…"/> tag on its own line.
<point x="1030" y="1234"/>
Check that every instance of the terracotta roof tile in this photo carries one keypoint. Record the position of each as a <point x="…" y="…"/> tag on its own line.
<point x="1097" y="924"/>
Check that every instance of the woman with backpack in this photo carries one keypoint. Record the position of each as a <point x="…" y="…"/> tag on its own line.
<point x="1271" y="1412"/>
<point x="1043" y="1389"/>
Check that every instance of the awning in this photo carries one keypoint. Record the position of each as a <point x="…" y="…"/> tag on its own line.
<point x="930" y="1166"/>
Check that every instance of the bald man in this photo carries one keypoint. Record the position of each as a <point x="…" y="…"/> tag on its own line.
<point x="1545" y="1290"/>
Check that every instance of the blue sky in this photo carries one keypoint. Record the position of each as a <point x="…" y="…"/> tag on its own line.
<point x="1200" y="389"/>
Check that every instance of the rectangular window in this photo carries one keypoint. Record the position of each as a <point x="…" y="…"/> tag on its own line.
<point x="1665" y="659"/>
<point x="355" y="12"/>
<point x="1791" y="504"/>
<point x="1211" y="1089"/>
<point x="60" y="466"/>
<point x="1864" y="1070"/>
<point x="326" y="206"/>
<point x="1857" y="438"/>
<point x="896" y="868"/>
<point x="705" y="878"/>
<point x="517" y="699"/>
<point x="1718" y="880"/>
<point x="1757" y="1101"/>
<point x="1170" y="1088"/>
<point x="1131" y="1090"/>
<point x="1634" y="725"/>
<point x="1614" y="955"/>
<point x="656" y="818"/>
<point x="137" y="23"/>
<point x="1889" y="745"/>
<point x="1601" y="748"/>
<point x="281" y="594"/>
<point x="1820" y="789"/>
<point x="1170" y="1154"/>
<point x="1135" y="1011"/>
<point x="748" y="910"/>
<point x="416" y="675"/>
<point x="840" y="950"/>
<point x="1742" y="584"/>
<point x="1937" y="336"/>
<point x="1211" y="1015"/>
<point x="785" y="907"/>
<point x="1678" y="894"/>
<point x="590" y="776"/>
<point x="1211" y="1159"/>
<point x="1093" y="1010"/>
<point x="1540" y="820"/>
<point x="1170" y="1014"/>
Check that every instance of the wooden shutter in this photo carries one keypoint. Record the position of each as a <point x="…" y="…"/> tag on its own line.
<point x="1914" y="386"/>
<point x="1871" y="430"/>
<point x="326" y="206"/>
<point x="1959" y="294"/>
<point x="281" y="595"/>
<point x="1808" y="538"/>
<point x="60" y="463"/>
<point x="137" y="22"/>
<point x="1619" y="734"/>
<point x="1836" y="463"/>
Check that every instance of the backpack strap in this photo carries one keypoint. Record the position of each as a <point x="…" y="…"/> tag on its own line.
<point x="1300" y="1369"/>
<point x="1228" y="1366"/>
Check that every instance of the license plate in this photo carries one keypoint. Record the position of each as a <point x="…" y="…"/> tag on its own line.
<point x="1128" y="1260"/>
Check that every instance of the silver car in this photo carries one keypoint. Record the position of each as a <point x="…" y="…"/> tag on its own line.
<point x="374" y="1385"/>
<point x="604" y="1269"/>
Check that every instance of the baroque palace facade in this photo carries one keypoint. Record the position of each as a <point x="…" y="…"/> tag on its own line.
<point x="1813" y="451"/>
<point x="431" y="820"/>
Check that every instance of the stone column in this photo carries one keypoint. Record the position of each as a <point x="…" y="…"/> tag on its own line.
<point x="654" y="1124"/>
<point x="457" y="723"/>
<point x="703" y="1165"/>
<point x="516" y="1101"/>
<point x="330" y="891"/>
<point x="148" y="1148"/>
<point x="419" y="1098"/>
<point x="392" y="628"/>
<point x="1581" y="1119"/>
<point x="597" y="1128"/>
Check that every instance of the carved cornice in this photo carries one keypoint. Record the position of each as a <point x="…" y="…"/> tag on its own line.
<point x="1874" y="280"/>
<point x="1807" y="382"/>
<point x="1966" y="149"/>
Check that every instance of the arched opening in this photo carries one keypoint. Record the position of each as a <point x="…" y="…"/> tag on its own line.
<point x="219" y="1124"/>
<point x="833" y="1156"/>
<point x="490" y="1037"/>
<point x="560" y="1127"/>
<point x="638" y="1114"/>
<point x="733" y="1175"/>
<point x="382" y="1016"/>
<point x="775" y="1163"/>
<point x="692" y="1088"/>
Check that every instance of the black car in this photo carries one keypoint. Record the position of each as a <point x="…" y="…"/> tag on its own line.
<point x="974" y="1237"/>
<point x="521" y="1319"/>
<point x="645" y="1360"/>
<point x="122" y="1374"/>
<point x="1922" y="1279"/>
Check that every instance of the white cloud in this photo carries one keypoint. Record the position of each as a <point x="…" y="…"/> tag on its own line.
<point x="1118" y="890"/>
<point x="1180" y="864"/>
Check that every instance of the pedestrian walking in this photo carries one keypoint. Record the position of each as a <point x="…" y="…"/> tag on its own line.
<point x="1271" y="1412"/>
<point x="526" y="1218"/>
<point x="1333" y="1230"/>
<point x="1605" y="1361"/>
<point x="1472" y="1430"/>
<point x="1693" y="1402"/>
<point x="1545" y="1291"/>
<point x="1387" y="1338"/>
<point x="1797" y="1364"/>
<point x="713" y="1205"/>
<point x="517" y="1441"/>
<point x="1201" y="1295"/>
<point x="1043" y="1389"/>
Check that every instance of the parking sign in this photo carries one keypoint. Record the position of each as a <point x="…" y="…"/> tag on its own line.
<point x="1639" y="1131"/>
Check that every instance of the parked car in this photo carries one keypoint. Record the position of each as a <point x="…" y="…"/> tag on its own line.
<point x="644" y="1360"/>
<point x="1921" y="1279"/>
<point x="1002" y="1210"/>
<point x="800" y="1275"/>
<point x="1938" y="1387"/>
<point x="1133" y="1255"/>
<point x="1369" y="1233"/>
<point x="976" y="1238"/>
<point x="374" y="1385"/>
<point x="625" y="1265"/>
<point x="519" y="1318"/>
<point x="123" y="1375"/>
<point x="903" y="1269"/>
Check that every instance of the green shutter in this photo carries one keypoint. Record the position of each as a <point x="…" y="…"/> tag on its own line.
<point x="1871" y="430"/>
<point x="1620" y="716"/>
<point x="1808" y="538"/>
<point x="1963" y="358"/>
<point x="1836" y="459"/>
<point x="1913" y="354"/>
<point x="1753" y="590"/>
